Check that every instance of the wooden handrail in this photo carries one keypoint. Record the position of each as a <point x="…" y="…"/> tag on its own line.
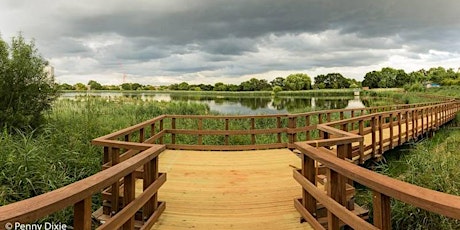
<point x="42" y="205"/>
<point x="430" y="200"/>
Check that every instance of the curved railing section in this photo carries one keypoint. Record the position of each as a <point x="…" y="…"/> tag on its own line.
<point x="336" y="153"/>
<point x="331" y="139"/>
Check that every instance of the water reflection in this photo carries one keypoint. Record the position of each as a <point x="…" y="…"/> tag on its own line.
<point x="242" y="105"/>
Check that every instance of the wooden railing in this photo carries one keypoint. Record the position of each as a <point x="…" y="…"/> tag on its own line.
<point x="132" y="153"/>
<point x="336" y="154"/>
<point x="235" y="132"/>
<point x="79" y="196"/>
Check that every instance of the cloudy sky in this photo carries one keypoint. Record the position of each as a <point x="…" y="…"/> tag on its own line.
<point x="206" y="41"/>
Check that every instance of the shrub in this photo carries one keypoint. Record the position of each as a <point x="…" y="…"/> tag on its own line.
<point x="26" y="90"/>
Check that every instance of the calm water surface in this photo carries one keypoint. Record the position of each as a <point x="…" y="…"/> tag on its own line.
<point x="240" y="105"/>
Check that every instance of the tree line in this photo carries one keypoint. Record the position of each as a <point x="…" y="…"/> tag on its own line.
<point x="293" y="82"/>
<point x="385" y="78"/>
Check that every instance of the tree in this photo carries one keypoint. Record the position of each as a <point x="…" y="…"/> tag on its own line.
<point x="219" y="86"/>
<point x="65" y="86"/>
<point x="331" y="81"/>
<point x="372" y="79"/>
<point x="126" y="86"/>
<point x="279" y="81"/>
<point x="26" y="90"/>
<point x="298" y="81"/>
<point x="94" y="85"/>
<point x="183" y="86"/>
<point x="80" y="86"/>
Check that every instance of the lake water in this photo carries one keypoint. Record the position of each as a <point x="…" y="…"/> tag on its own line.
<point x="241" y="105"/>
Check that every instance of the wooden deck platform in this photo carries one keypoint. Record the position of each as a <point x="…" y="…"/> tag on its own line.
<point x="229" y="190"/>
<point x="234" y="189"/>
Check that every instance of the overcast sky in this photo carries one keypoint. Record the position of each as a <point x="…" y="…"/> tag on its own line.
<point x="207" y="41"/>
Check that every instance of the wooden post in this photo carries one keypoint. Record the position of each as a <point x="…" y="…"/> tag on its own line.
<point x="320" y="121"/>
<point x="407" y="125"/>
<point x="161" y="129"/>
<point x="82" y="214"/>
<point x="294" y="122"/>
<point x="278" y="125"/>
<point x="382" y="211"/>
<point x="106" y="157"/>
<point x="391" y="130"/>
<point x="352" y="114"/>
<point x="147" y="210"/>
<point x="336" y="189"/>
<point x="413" y="124"/>
<point x="115" y="186"/>
<point x="423" y="120"/>
<point x="200" y="127"/>
<point x="399" y="127"/>
<point x="129" y="193"/>
<point x="141" y="135"/>
<point x="173" y="127"/>
<point x="380" y="134"/>
<point x="152" y="130"/>
<point x="373" y="130"/>
<point x="253" y="127"/>
<point x="309" y="172"/>
<point x="361" y="143"/>
<point x="291" y="125"/>
<point x="226" y="128"/>
<point x="307" y="124"/>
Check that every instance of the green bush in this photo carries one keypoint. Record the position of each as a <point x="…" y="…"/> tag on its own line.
<point x="26" y="90"/>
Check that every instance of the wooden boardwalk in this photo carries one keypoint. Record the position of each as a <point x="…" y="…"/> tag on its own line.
<point x="229" y="190"/>
<point x="153" y="177"/>
<point x="235" y="189"/>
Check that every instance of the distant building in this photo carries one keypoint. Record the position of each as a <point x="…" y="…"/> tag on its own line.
<point x="49" y="70"/>
<point x="431" y="85"/>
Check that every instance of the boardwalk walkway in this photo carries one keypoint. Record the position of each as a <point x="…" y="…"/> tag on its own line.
<point x="251" y="188"/>
<point x="229" y="190"/>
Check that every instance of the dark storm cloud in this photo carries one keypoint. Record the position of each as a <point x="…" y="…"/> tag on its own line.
<point x="182" y="38"/>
